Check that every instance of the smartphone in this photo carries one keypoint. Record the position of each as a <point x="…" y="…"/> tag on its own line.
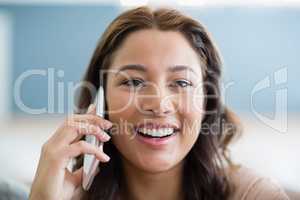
<point x="90" y="163"/>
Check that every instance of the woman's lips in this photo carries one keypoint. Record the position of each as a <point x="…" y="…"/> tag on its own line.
<point x="157" y="125"/>
<point x="154" y="142"/>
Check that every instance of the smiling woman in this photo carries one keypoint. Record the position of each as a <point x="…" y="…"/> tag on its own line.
<point x="168" y="61"/>
<point x="169" y="128"/>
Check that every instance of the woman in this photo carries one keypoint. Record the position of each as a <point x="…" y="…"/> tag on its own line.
<point x="169" y="130"/>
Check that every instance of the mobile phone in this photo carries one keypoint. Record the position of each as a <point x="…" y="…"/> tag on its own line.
<point x="90" y="163"/>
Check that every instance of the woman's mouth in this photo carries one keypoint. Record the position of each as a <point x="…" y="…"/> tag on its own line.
<point x="156" y="133"/>
<point x="156" y="138"/>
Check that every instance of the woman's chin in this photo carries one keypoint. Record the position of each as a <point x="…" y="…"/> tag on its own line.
<point x="156" y="164"/>
<point x="154" y="169"/>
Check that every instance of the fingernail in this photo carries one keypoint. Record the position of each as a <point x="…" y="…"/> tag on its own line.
<point x="108" y="124"/>
<point x="106" y="137"/>
<point x="106" y="157"/>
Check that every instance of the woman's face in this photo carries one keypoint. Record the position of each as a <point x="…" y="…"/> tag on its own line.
<point x="154" y="89"/>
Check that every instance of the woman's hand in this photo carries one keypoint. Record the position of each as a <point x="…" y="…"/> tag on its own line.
<point x="53" y="181"/>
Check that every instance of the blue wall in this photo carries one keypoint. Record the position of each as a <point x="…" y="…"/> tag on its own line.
<point x="59" y="37"/>
<point x="254" y="43"/>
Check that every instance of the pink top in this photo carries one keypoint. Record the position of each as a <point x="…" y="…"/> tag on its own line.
<point x="250" y="186"/>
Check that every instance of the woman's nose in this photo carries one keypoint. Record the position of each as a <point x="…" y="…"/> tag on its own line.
<point x="157" y="102"/>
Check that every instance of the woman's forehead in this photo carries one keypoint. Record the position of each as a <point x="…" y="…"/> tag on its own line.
<point x="156" y="49"/>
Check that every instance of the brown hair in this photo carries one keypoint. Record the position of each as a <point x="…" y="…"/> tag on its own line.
<point x="204" y="169"/>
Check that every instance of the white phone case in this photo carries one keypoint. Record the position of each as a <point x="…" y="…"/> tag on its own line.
<point x="90" y="163"/>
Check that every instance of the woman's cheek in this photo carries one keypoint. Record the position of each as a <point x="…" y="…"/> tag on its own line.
<point x="116" y="104"/>
<point x="191" y="103"/>
<point x="192" y="113"/>
<point x="122" y="112"/>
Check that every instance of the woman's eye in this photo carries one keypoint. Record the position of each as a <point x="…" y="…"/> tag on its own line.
<point x="133" y="82"/>
<point x="183" y="83"/>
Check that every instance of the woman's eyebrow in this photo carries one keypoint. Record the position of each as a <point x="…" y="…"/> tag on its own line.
<point x="177" y="68"/>
<point x="135" y="67"/>
<point x="142" y="68"/>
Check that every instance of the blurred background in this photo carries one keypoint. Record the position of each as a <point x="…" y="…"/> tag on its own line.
<point x="45" y="47"/>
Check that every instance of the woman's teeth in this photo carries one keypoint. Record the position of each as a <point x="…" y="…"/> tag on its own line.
<point x="162" y="132"/>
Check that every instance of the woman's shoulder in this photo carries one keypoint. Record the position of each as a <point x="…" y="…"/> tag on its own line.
<point x="249" y="185"/>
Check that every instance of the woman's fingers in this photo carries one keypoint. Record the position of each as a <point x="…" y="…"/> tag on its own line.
<point x="91" y="109"/>
<point x="66" y="144"/>
<point x="75" y="126"/>
<point x="61" y="148"/>
<point x="83" y="147"/>
<point x="92" y="119"/>
<point x="87" y="129"/>
<point x="80" y="129"/>
<point x="59" y="155"/>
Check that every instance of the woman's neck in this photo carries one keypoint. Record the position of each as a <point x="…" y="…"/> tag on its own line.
<point x="142" y="185"/>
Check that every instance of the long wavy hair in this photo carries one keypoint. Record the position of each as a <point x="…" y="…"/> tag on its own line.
<point x="205" y="165"/>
